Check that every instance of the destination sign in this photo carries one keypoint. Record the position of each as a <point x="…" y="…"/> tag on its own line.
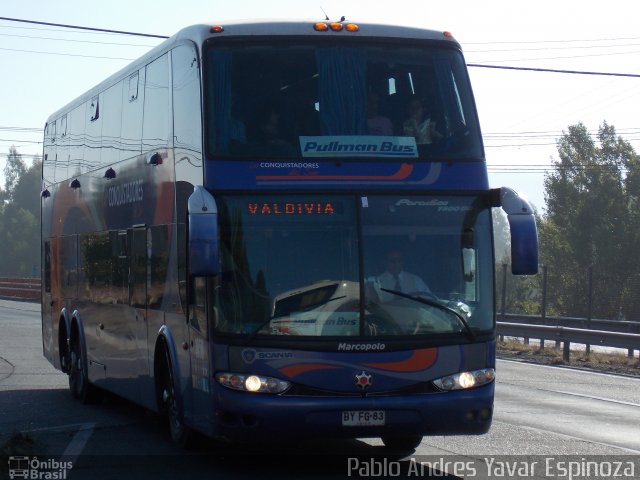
<point x="292" y="208"/>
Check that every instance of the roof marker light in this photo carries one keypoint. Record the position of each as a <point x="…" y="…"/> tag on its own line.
<point x="217" y="29"/>
<point x="448" y="34"/>
<point x="351" y="27"/>
<point x="336" y="26"/>
<point x="320" y="27"/>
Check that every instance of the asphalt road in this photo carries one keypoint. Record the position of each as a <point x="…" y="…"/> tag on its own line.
<point x="539" y="411"/>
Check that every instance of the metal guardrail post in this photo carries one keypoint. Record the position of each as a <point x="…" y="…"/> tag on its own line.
<point x="589" y="306"/>
<point x="543" y="307"/>
<point x="566" y="351"/>
<point x="504" y="296"/>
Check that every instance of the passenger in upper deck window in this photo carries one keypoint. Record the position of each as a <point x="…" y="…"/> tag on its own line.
<point x="270" y="135"/>
<point x="419" y="124"/>
<point x="377" y="124"/>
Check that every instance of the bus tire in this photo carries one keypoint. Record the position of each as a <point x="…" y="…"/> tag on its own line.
<point x="402" y="443"/>
<point x="180" y="434"/>
<point x="79" y="385"/>
<point x="63" y="348"/>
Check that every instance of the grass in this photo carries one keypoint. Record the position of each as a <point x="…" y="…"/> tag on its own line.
<point x="19" y="444"/>
<point x="550" y="355"/>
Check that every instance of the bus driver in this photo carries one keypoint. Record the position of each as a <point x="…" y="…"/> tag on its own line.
<point x="397" y="279"/>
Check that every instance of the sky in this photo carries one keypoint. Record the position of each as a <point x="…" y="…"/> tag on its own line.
<point x="522" y="113"/>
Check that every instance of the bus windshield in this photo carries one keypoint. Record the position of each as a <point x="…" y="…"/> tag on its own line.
<point x="306" y="100"/>
<point x="344" y="265"/>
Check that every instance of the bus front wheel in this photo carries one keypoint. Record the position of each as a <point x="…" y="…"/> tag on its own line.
<point x="180" y="433"/>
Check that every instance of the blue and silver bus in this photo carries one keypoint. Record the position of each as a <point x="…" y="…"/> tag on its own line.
<point x="280" y="230"/>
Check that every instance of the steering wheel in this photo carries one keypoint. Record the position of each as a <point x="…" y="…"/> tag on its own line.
<point x="378" y="325"/>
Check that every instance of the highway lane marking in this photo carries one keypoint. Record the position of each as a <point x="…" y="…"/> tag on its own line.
<point x="77" y="443"/>
<point x="571" y="369"/>
<point x="602" y="399"/>
<point x="37" y="308"/>
<point x="581" y="395"/>
<point x="571" y="437"/>
<point x="12" y="369"/>
<point x="60" y="428"/>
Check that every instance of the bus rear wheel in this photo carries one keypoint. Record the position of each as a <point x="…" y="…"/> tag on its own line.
<point x="79" y="385"/>
<point x="402" y="443"/>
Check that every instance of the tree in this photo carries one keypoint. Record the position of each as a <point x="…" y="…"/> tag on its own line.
<point x="522" y="292"/>
<point x="20" y="217"/>
<point x="501" y="237"/>
<point x="13" y="170"/>
<point x="588" y="222"/>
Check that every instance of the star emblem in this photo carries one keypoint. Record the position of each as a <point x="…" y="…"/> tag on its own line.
<point x="363" y="380"/>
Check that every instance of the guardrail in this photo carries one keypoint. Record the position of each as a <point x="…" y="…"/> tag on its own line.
<point x="568" y="335"/>
<point x="618" y="333"/>
<point x="20" y="288"/>
<point x="593" y="323"/>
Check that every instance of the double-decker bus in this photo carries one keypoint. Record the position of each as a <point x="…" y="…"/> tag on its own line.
<point x="280" y="230"/>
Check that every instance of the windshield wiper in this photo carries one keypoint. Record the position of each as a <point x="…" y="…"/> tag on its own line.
<point x="253" y="334"/>
<point x="436" y="304"/>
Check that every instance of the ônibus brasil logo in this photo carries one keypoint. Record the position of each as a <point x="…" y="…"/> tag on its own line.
<point x="36" y="469"/>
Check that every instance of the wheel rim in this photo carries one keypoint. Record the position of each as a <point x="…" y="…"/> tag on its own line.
<point x="76" y="371"/>
<point x="171" y="406"/>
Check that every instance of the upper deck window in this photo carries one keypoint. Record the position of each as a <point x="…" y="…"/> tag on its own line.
<point x="133" y="87"/>
<point x="323" y="100"/>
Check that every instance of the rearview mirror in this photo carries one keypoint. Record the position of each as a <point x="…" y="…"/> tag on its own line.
<point x="203" y="233"/>
<point x="524" y="233"/>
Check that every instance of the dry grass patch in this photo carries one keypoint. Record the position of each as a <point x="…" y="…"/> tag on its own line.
<point x="550" y="355"/>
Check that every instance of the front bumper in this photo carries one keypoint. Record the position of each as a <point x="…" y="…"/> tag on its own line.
<point x="242" y="416"/>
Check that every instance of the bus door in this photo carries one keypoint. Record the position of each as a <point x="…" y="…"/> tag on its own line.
<point x="139" y="272"/>
<point x="200" y="352"/>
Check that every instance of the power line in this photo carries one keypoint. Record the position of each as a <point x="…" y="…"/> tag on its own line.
<point x="22" y="129"/>
<point x="65" y="54"/>
<point x="552" y="70"/>
<point x="536" y="42"/>
<point x="78" y="27"/>
<point x="33" y="37"/>
<point x="563" y="57"/>
<point x="582" y="47"/>
<point x="57" y="30"/>
<point x="501" y="67"/>
<point x="14" y="140"/>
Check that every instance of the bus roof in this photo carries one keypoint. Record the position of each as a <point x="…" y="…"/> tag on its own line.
<point x="262" y="28"/>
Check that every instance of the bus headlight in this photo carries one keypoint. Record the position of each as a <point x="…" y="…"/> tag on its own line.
<point x="464" y="380"/>
<point x="252" y="383"/>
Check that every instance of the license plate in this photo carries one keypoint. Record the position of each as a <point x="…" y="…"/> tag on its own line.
<point x="362" y="418"/>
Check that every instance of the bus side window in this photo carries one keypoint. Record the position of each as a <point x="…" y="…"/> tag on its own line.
<point x="47" y="266"/>
<point x="49" y="165"/>
<point x="131" y="128"/>
<point x="198" y="310"/>
<point x="155" y="129"/>
<point x="111" y="113"/>
<point x="120" y="267"/>
<point x="158" y="264"/>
